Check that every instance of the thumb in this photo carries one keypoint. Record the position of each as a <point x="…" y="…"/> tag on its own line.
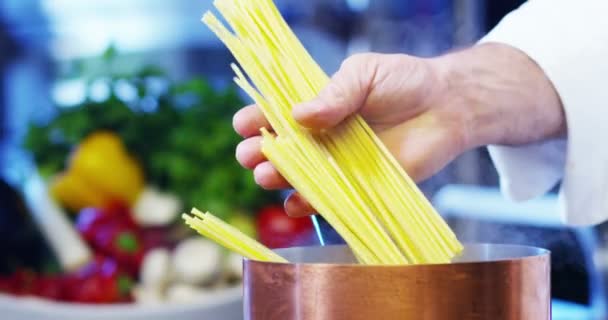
<point x="344" y="95"/>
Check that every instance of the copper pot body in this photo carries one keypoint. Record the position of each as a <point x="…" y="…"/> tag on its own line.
<point x="488" y="282"/>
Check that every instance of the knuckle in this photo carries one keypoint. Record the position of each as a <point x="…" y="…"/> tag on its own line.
<point x="335" y="94"/>
<point x="359" y="60"/>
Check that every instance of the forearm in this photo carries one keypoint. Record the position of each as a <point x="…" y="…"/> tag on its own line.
<point x="505" y="97"/>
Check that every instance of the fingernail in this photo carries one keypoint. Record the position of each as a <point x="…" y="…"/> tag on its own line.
<point x="296" y="206"/>
<point x="304" y="111"/>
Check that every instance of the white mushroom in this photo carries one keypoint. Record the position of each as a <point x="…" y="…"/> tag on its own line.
<point x="179" y="293"/>
<point x="156" y="269"/>
<point x="196" y="261"/>
<point x="146" y="295"/>
<point x="154" y="208"/>
<point x="234" y="265"/>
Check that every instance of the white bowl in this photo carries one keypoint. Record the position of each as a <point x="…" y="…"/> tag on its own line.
<point x="225" y="305"/>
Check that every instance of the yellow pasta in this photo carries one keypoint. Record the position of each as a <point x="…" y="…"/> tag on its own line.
<point x="346" y="173"/>
<point x="229" y="237"/>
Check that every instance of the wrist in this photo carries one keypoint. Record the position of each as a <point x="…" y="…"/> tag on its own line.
<point x="504" y="97"/>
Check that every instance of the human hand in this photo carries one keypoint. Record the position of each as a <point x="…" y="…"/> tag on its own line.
<point x="426" y="111"/>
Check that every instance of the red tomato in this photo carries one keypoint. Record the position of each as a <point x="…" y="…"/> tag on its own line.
<point x="122" y="244"/>
<point x="7" y="285"/>
<point x="102" y="289"/>
<point x="96" y="289"/>
<point x="111" y="231"/>
<point x="120" y="211"/>
<point x="24" y="282"/>
<point x="91" y="220"/>
<point x="50" y="287"/>
<point x="277" y="230"/>
<point x="99" y="282"/>
<point x="28" y="283"/>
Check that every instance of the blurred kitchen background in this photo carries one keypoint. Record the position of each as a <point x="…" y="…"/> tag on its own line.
<point x="146" y="88"/>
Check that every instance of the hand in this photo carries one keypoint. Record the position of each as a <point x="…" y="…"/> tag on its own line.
<point x="426" y="111"/>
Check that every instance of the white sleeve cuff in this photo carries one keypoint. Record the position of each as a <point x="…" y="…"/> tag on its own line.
<point x="529" y="171"/>
<point x="569" y="41"/>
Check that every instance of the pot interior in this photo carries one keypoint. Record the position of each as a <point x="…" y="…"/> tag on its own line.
<point x="478" y="252"/>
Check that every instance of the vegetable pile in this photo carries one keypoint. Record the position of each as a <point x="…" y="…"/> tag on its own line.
<point x="179" y="132"/>
<point x="124" y="168"/>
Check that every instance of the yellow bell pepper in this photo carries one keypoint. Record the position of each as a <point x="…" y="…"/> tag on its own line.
<point x="74" y="193"/>
<point x="100" y="171"/>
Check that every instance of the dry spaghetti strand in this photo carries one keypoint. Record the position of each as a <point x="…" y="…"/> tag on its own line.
<point x="229" y="237"/>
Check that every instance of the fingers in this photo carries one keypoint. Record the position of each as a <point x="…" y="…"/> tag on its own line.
<point x="250" y="156"/>
<point x="344" y="95"/>
<point x="424" y="145"/>
<point x="267" y="177"/>
<point x="296" y="206"/>
<point x="249" y="152"/>
<point x="248" y="121"/>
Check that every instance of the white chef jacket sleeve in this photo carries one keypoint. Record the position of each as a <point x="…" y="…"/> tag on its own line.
<point x="568" y="39"/>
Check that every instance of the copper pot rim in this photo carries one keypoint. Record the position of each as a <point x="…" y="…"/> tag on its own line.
<point x="541" y="252"/>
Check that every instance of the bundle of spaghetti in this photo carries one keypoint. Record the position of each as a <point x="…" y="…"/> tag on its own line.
<point x="229" y="237"/>
<point x="346" y="173"/>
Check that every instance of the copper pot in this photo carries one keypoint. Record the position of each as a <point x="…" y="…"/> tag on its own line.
<point x="489" y="282"/>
